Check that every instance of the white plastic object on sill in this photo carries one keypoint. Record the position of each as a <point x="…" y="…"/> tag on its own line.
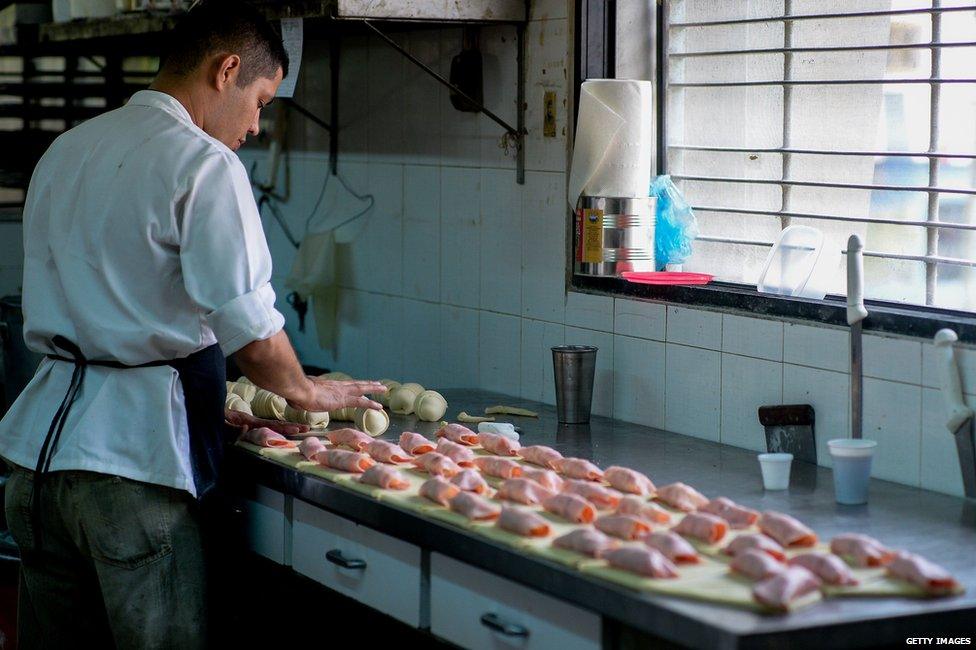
<point x="799" y="265"/>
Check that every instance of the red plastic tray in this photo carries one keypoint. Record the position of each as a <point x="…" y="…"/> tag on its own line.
<point x="666" y="277"/>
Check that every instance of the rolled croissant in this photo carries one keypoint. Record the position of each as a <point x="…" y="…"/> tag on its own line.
<point x="235" y="402"/>
<point x="372" y="421"/>
<point x="311" y="418"/>
<point x="245" y="391"/>
<point x="430" y="406"/>
<point x="268" y="405"/>
<point x="403" y="398"/>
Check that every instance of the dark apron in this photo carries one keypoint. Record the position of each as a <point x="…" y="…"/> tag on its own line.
<point x="203" y="376"/>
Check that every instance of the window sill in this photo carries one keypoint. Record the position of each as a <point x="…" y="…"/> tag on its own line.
<point x="883" y="317"/>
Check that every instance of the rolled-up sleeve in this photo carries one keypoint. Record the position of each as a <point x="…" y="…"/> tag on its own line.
<point x="224" y="255"/>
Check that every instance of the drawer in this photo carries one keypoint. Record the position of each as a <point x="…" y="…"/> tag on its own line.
<point x="377" y="570"/>
<point x="476" y="609"/>
<point x="266" y="524"/>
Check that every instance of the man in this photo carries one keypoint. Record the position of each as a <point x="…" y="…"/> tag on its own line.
<point x="145" y="264"/>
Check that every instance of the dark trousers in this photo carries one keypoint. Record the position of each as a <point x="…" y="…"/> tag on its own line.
<point x="122" y="563"/>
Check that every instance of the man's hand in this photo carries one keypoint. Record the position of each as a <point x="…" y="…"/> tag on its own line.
<point x="328" y="395"/>
<point x="247" y="422"/>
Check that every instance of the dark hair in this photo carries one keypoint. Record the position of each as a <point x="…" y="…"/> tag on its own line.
<point x="231" y="26"/>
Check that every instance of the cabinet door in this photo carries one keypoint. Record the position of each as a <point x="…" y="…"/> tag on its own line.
<point x="377" y="570"/>
<point x="476" y="609"/>
<point x="265" y="523"/>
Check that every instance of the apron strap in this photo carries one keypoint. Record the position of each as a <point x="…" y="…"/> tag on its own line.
<point x="202" y="375"/>
<point x="54" y="431"/>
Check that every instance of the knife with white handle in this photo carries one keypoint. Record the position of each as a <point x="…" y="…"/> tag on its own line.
<point x="956" y="408"/>
<point x="960" y="417"/>
<point x="855" y="314"/>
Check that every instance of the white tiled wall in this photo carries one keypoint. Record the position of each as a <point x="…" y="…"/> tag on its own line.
<point x="457" y="276"/>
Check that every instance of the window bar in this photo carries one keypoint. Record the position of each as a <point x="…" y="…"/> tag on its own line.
<point x="839" y="186"/>
<point x="818" y="82"/>
<point x="827" y="152"/>
<point x="787" y="131"/>
<point x="834" y="217"/>
<point x="933" y="259"/>
<point x="818" y="49"/>
<point x="853" y="14"/>
<point x="935" y="96"/>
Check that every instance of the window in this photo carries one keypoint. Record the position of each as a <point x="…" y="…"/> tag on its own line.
<point x="849" y="117"/>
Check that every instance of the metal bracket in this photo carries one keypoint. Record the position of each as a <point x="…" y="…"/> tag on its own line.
<point x="517" y="133"/>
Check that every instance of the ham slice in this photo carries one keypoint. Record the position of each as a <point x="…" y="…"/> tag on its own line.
<point x="633" y="505"/>
<point x="439" y="490"/>
<point x="780" y="590"/>
<point x="457" y="433"/>
<point x="642" y="560"/>
<point x="630" y="481"/>
<point x="522" y="490"/>
<point x="415" y="444"/>
<point x="498" y="467"/>
<point x="786" y="530"/>
<point x="586" y="541"/>
<point x="828" y="567"/>
<point x="544" y="477"/>
<point x="474" y="507"/>
<point x="681" y="497"/>
<point x="387" y="452"/>
<point x="757" y="541"/>
<point x="756" y="565"/>
<point x="738" y="516"/>
<point x="674" y="547"/>
<point x="352" y="438"/>
<point x="523" y="522"/>
<point x="385" y="477"/>
<point x="579" y="468"/>
<point x="541" y="455"/>
<point x="498" y="445"/>
<point x="311" y="446"/>
<point x="470" y="480"/>
<point x="265" y="437"/>
<point x="347" y="461"/>
<point x="603" y="498"/>
<point x="917" y="570"/>
<point x="626" y="527"/>
<point x="861" y="550"/>
<point x="460" y="454"/>
<point x="701" y="525"/>
<point x="571" y="507"/>
<point x="437" y="464"/>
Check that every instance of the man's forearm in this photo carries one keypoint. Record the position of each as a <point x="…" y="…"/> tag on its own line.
<point x="272" y="365"/>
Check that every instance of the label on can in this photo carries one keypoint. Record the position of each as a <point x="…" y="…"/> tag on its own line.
<point x="592" y="239"/>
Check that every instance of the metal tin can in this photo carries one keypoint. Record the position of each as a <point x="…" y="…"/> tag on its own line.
<point x="613" y="235"/>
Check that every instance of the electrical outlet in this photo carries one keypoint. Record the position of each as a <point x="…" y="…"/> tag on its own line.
<point x="549" y="114"/>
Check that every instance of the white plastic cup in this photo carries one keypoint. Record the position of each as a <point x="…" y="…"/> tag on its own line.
<point x="776" y="470"/>
<point x="852" y="469"/>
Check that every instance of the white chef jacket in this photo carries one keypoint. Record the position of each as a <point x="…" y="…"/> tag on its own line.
<point x="142" y="242"/>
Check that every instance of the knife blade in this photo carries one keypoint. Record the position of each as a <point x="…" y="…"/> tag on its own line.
<point x="855" y="314"/>
<point x="960" y="417"/>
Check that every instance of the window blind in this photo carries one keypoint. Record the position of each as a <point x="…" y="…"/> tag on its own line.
<point x="848" y="117"/>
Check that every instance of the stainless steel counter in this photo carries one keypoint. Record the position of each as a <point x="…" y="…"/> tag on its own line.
<point x="941" y="528"/>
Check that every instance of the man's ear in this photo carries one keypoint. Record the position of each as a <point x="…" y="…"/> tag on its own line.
<point x="228" y="67"/>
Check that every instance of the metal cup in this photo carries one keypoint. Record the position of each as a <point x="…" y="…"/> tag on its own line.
<point x="573" y="367"/>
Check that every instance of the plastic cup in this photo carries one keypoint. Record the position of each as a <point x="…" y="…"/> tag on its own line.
<point x="775" y="470"/>
<point x="852" y="469"/>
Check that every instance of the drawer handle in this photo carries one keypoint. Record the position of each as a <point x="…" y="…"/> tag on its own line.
<point x="335" y="556"/>
<point x="500" y="625"/>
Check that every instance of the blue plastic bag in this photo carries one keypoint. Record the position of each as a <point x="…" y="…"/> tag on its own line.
<point x="676" y="226"/>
